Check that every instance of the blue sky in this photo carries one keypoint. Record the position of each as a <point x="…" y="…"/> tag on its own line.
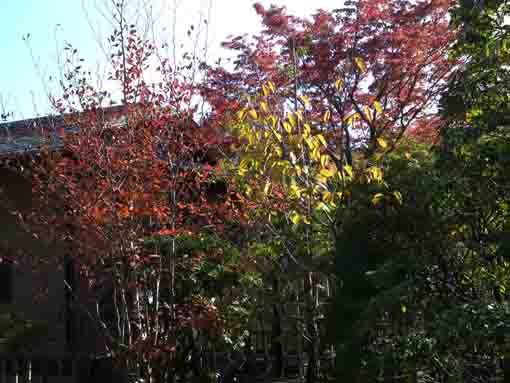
<point x="22" y="76"/>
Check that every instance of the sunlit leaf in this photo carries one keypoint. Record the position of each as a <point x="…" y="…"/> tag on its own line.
<point x="327" y="116"/>
<point x="264" y="107"/>
<point x="360" y="64"/>
<point x="306" y="130"/>
<point x="398" y="196"/>
<point x="324" y="160"/>
<point x="306" y="100"/>
<point x="321" y="139"/>
<point x="376" y="173"/>
<point x="378" y="107"/>
<point x="327" y="173"/>
<point x="241" y="114"/>
<point x="368" y="114"/>
<point x="287" y="127"/>
<point x="377" y="198"/>
<point x="338" y="84"/>
<point x="295" y="217"/>
<point x="265" y="90"/>
<point x="382" y="143"/>
<point x="292" y="119"/>
<point x="271" y="86"/>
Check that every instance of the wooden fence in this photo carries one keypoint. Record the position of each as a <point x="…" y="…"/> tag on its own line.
<point x="55" y="368"/>
<point x="38" y="368"/>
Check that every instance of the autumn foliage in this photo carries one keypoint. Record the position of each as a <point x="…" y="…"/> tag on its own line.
<point x="128" y="178"/>
<point x="376" y="68"/>
<point x="138" y="189"/>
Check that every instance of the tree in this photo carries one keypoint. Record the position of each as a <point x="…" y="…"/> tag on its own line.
<point x="319" y="103"/>
<point x="129" y="182"/>
<point x="376" y="68"/>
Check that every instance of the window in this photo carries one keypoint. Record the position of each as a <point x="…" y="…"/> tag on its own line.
<point x="5" y="281"/>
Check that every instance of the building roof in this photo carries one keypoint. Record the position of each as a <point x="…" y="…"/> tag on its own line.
<point x="28" y="136"/>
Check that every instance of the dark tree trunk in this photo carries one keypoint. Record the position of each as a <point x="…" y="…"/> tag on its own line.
<point x="276" y="334"/>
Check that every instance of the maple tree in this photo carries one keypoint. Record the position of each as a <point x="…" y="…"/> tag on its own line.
<point x="319" y="104"/>
<point x="373" y="69"/>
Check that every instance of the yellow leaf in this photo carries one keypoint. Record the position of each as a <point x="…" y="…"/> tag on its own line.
<point x="376" y="198"/>
<point x="292" y="120"/>
<point x="287" y="127"/>
<point x="306" y="100"/>
<point x="327" y="196"/>
<point x="398" y="196"/>
<point x="351" y="117"/>
<point x="306" y="130"/>
<point x="253" y="114"/>
<point x="315" y="154"/>
<point x="327" y="116"/>
<point x="321" y="139"/>
<point x="271" y="86"/>
<point x="368" y="114"/>
<point x="338" y="84"/>
<point x="378" y="107"/>
<point x="277" y="135"/>
<point x="376" y="173"/>
<point x="265" y="90"/>
<point x="295" y="217"/>
<point x="274" y="121"/>
<point x="241" y="114"/>
<point x="310" y="143"/>
<point x="264" y="107"/>
<point x="382" y="143"/>
<point x="360" y="64"/>
<point x="324" y="160"/>
<point x="327" y="173"/>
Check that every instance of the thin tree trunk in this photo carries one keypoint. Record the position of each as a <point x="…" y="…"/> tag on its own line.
<point x="276" y="335"/>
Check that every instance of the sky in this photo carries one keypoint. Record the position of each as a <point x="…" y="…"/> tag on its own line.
<point x="26" y="66"/>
